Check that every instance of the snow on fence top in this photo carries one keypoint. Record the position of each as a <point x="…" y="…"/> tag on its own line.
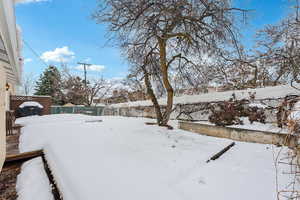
<point x="31" y="103"/>
<point x="261" y="93"/>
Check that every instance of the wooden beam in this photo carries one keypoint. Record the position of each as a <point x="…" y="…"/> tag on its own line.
<point x="55" y="191"/>
<point x="22" y="157"/>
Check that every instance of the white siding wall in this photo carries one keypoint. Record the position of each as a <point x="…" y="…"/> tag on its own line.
<point x="9" y="35"/>
<point x="10" y="65"/>
<point x="2" y="115"/>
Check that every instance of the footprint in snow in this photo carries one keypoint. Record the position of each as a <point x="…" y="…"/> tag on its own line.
<point x="201" y="180"/>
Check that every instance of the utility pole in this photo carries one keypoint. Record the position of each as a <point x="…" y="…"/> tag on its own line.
<point x="85" y="65"/>
<point x="84" y="68"/>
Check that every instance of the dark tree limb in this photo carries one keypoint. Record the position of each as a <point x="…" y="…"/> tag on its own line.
<point x="220" y="153"/>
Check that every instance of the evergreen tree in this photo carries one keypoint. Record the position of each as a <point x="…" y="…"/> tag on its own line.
<point x="49" y="84"/>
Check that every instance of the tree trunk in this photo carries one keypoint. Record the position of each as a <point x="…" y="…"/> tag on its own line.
<point x="165" y="76"/>
<point x="153" y="98"/>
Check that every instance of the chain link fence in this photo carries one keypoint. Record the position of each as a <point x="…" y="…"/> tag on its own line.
<point x="95" y="110"/>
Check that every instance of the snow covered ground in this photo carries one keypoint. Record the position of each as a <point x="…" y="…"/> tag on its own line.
<point x="32" y="182"/>
<point x="122" y="158"/>
<point x="261" y="93"/>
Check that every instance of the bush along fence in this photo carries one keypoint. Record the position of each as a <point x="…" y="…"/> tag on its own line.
<point x="94" y="110"/>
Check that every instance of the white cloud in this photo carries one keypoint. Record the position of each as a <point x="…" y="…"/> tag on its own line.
<point x="27" y="60"/>
<point x="117" y="78"/>
<point x="87" y="60"/>
<point x="30" y="1"/>
<point x="58" y="55"/>
<point x="91" y="67"/>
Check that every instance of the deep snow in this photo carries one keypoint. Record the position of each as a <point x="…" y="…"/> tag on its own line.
<point x="122" y="158"/>
<point x="32" y="182"/>
<point x="31" y="103"/>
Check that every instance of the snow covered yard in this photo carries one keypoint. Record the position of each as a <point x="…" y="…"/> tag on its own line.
<point x="122" y="158"/>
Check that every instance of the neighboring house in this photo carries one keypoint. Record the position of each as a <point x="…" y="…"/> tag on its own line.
<point x="10" y="64"/>
<point x="122" y="96"/>
<point x="196" y="90"/>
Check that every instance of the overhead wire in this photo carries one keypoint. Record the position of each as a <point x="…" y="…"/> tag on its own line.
<point x="35" y="53"/>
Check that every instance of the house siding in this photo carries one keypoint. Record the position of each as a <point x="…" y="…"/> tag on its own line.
<point x="3" y="104"/>
<point x="10" y="65"/>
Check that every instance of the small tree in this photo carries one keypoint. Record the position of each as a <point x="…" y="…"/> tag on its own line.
<point x="77" y="92"/>
<point x="168" y="36"/>
<point x="50" y="84"/>
<point x="27" y="84"/>
<point x="74" y="90"/>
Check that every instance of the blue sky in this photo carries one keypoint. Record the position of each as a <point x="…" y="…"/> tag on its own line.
<point x="64" y="27"/>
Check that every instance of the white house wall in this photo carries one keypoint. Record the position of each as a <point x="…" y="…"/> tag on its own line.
<point x="11" y="40"/>
<point x="10" y="64"/>
<point x="3" y="104"/>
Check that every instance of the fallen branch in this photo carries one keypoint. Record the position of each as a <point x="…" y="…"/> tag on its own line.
<point x="219" y="154"/>
<point x="153" y="123"/>
<point x="91" y="121"/>
<point x="150" y="123"/>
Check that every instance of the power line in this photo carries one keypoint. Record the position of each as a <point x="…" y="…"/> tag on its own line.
<point x="35" y="53"/>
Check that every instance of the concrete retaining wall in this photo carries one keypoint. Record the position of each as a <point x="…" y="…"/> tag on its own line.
<point x="238" y="134"/>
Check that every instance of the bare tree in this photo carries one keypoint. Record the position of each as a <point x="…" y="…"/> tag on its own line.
<point x="28" y="83"/>
<point x="134" y="82"/>
<point x="274" y="59"/>
<point x="280" y="47"/>
<point x="241" y="69"/>
<point x="168" y="35"/>
<point x="74" y="90"/>
<point x="97" y="88"/>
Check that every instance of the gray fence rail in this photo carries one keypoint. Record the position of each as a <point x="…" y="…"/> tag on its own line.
<point x="95" y="110"/>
